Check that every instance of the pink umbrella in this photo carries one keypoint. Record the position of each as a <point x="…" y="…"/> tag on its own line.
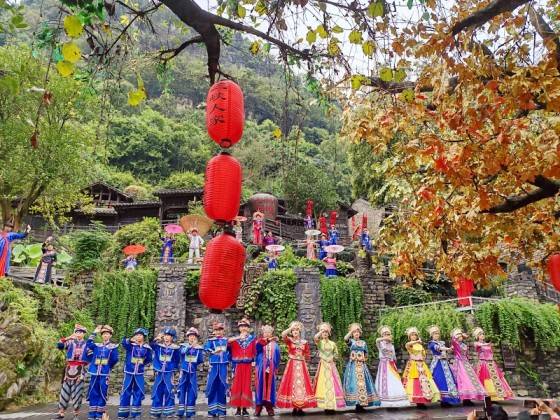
<point x="173" y="229"/>
<point x="334" y="248"/>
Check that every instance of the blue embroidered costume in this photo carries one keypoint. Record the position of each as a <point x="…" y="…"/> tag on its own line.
<point x="6" y="238"/>
<point x="334" y="236"/>
<point x="217" y="386"/>
<point x="132" y="394"/>
<point x="166" y="362"/>
<point x="191" y="357"/>
<point x="365" y="240"/>
<point x="322" y="252"/>
<point x="166" y="256"/>
<point x="266" y="367"/>
<point x="441" y="373"/>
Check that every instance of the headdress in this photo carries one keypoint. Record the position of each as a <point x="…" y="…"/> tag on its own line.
<point x="106" y="328"/>
<point x="171" y="332"/>
<point x="476" y="332"/>
<point x="456" y="331"/>
<point x="267" y="328"/>
<point x="258" y="213"/>
<point x="194" y="229"/>
<point x="432" y="329"/>
<point x="412" y="330"/>
<point x="192" y="331"/>
<point x="243" y="322"/>
<point x="218" y="326"/>
<point x="325" y="326"/>
<point x="78" y="327"/>
<point x="142" y="331"/>
<point x="296" y="324"/>
<point x="353" y="327"/>
<point x="383" y="329"/>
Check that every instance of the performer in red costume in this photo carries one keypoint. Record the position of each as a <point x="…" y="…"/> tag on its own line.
<point x="243" y="350"/>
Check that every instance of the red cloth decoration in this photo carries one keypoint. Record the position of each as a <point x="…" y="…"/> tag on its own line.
<point x="464" y="291"/>
<point x="323" y="225"/>
<point x="309" y="208"/>
<point x="225" y="113"/>
<point x="222" y="272"/>
<point x="222" y="188"/>
<point x="554" y="270"/>
<point x="364" y="221"/>
<point x="334" y="215"/>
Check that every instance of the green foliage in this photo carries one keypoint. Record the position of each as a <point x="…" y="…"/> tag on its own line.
<point x="405" y="295"/>
<point x="446" y="316"/>
<point x="289" y="260"/>
<point x="147" y="232"/>
<point x="186" y="179"/>
<point x="271" y="298"/>
<point x="88" y="247"/>
<point x="191" y="283"/>
<point x="30" y="255"/>
<point x="341" y="303"/>
<point x="513" y="320"/>
<point x="125" y="300"/>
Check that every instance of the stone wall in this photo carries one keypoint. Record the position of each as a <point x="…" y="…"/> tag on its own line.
<point x="170" y="303"/>
<point x="521" y="283"/>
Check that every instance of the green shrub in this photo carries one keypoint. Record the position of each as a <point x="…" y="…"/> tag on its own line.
<point x="341" y="303"/>
<point x="405" y="295"/>
<point x="191" y="283"/>
<point x="88" y="247"/>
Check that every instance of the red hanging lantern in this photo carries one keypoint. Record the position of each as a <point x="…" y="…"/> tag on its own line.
<point x="309" y="208"/>
<point x="554" y="270"/>
<point x="222" y="187"/>
<point x="333" y="217"/>
<point x="225" y="113"/>
<point x="464" y="291"/>
<point x="364" y="221"/>
<point x="222" y="272"/>
<point x="323" y="225"/>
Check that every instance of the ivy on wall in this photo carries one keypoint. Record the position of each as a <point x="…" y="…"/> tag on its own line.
<point x="125" y="300"/>
<point x="405" y="295"/>
<point x="511" y="320"/>
<point x="341" y="303"/>
<point x="191" y="283"/>
<point x="271" y="298"/>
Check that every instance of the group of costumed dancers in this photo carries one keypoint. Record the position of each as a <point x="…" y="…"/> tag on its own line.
<point x="175" y="389"/>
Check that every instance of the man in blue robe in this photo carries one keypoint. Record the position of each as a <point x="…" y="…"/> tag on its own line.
<point x="6" y="238"/>
<point x="219" y="358"/>
<point x="166" y="362"/>
<point x="365" y="240"/>
<point x="192" y="354"/>
<point x="334" y="236"/>
<point x="138" y="356"/>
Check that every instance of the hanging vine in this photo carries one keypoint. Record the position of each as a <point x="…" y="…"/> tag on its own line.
<point x="341" y="303"/>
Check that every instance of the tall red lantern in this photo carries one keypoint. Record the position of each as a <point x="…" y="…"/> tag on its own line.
<point x="222" y="272"/>
<point x="309" y="208"/>
<point x="333" y="217"/>
<point x="222" y="187"/>
<point x="323" y="225"/>
<point x="364" y="221"/>
<point x="554" y="270"/>
<point x="225" y="113"/>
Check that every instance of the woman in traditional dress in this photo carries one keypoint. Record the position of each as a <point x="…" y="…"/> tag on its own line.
<point x="441" y="371"/>
<point x="417" y="378"/>
<point x="167" y="249"/>
<point x="238" y="229"/>
<point x="330" y="265"/>
<point x="358" y="384"/>
<point x="327" y="384"/>
<point x="488" y="371"/>
<point x="295" y="389"/>
<point x="468" y="384"/>
<point x="44" y="269"/>
<point x="266" y="368"/>
<point x="257" y="228"/>
<point x="310" y="244"/>
<point x="388" y="381"/>
<point x="323" y="242"/>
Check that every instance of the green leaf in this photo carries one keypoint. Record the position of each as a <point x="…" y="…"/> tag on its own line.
<point x="409" y="4"/>
<point x="34" y="251"/>
<point x="375" y="9"/>
<point x="386" y="74"/>
<point x="311" y="36"/>
<point x="399" y="75"/>
<point x="356" y="81"/>
<point x="241" y="11"/>
<point x="9" y="84"/>
<point x="368" y="47"/>
<point x="321" y="31"/>
<point x="337" y="29"/>
<point x="407" y="95"/>
<point x="355" y="37"/>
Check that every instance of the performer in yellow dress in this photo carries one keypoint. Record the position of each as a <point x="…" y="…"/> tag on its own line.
<point x="327" y="384"/>
<point x="417" y="378"/>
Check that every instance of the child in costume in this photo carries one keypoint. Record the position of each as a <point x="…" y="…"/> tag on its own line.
<point x="130" y="263"/>
<point x="266" y="367"/>
<point x="327" y="384"/>
<point x="44" y="269"/>
<point x="358" y="385"/>
<point x="138" y="355"/>
<point x="272" y="260"/>
<point x="192" y="354"/>
<point x="417" y="378"/>
<point x="488" y="371"/>
<point x="167" y="249"/>
<point x="468" y="384"/>
<point x="219" y="358"/>
<point x="308" y="222"/>
<point x="195" y="244"/>
<point x="167" y="357"/>
<point x="238" y="229"/>
<point x="334" y="236"/>
<point x="295" y="389"/>
<point x="73" y="382"/>
<point x="6" y="239"/>
<point x="330" y="265"/>
<point x="102" y="357"/>
<point x="242" y="351"/>
<point x="388" y="381"/>
<point x="441" y="370"/>
<point x="269" y="239"/>
<point x="365" y="240"/>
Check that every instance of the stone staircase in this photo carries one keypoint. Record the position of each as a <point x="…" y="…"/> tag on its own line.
<point x="547" y="291"/>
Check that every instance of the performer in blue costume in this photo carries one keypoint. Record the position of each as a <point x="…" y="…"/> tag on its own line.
<point x="334" y="236"/>
<point x="166" y="362"/>
<point x="266" y="368"/>
<point x="166" y="256"/>
<point x="323" y="242"/>
<point x="192" y="354"/>
<point x="365" y="240"/>
<point x="101" y="358"/>
<point x="441" y="371"/>
<point x="272" y="260"/>
<point x="138" y="356"/>
<point x="219" y="358"/>
<point x="6" y="238"/>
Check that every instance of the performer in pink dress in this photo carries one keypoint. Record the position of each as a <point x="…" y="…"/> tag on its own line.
<point x="468" y="384"/>
<point x="257" y="228"/>
<point x="488" y="371"/>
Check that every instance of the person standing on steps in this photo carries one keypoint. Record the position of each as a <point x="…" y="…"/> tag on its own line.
<point x="242" y="350"/>
<point x="217" y="384"/>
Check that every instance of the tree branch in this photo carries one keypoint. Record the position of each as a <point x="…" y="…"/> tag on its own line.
<point x="547" y="188"/>
<point x="480" y="17"/>
<point x="546" y="32"/>
<point x="176" y="51"/>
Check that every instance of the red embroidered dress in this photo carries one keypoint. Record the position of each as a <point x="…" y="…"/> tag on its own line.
<point x="243" y="353"/>
<point x="295" y="389"/>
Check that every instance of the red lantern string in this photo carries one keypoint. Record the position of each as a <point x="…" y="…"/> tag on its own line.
<point x="225" y="113"/>
<point x="222" y="188"/>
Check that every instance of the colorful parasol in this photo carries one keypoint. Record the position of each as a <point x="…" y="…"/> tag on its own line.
<point x="312" y="232"/>
<point x="201" y="223"/>
<point x="173" y="229"/>
<point x="240" y="219"/>
<point x="134" y="249"/>
<point x="334" y="248"/>
<point x="275" y="248"/>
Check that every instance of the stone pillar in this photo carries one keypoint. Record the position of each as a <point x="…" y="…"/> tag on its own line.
<point x="521" y="283"/>
<point x="170" y="300"/>
<point x="308" y="292"/>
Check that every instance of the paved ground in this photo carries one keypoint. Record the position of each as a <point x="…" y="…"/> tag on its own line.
<point x="45" y="412"/>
